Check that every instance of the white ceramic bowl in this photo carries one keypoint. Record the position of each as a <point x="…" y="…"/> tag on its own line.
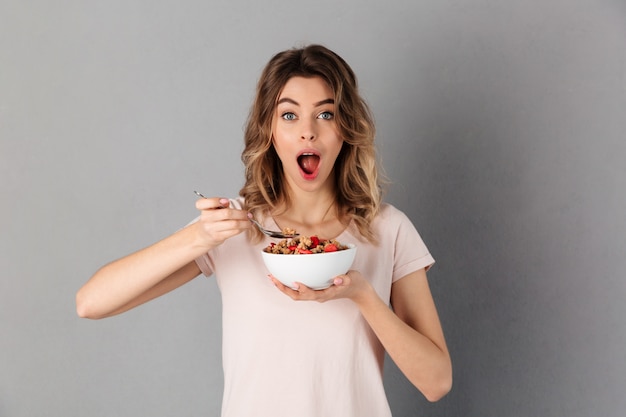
<point x="315" y="270"/>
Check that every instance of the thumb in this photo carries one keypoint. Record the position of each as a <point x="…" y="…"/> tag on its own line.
<point x="341" y="280"/>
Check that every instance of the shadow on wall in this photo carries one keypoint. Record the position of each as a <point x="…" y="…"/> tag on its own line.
<point x="474" y="208"/>
<point x="513" y="158"/>
<point x="466" y="155"/>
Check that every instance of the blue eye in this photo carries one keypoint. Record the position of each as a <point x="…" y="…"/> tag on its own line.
<point x="326" y="115"/>
<point x="288" y="116"/>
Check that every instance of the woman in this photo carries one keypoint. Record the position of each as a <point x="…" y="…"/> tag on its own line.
<point x="310" y="165"/>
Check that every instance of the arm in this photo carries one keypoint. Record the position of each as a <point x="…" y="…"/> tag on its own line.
<point x="139" y="277"/>
<point x="161" y="267"/>
<point x="411" y="334"/>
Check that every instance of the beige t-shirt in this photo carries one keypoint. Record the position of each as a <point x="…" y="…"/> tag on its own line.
<point x="302" y="358"/>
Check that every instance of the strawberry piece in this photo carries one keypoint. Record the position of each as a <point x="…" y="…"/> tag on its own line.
<point x="314" y="241"/>
<point x="304" y="251"/>
<point x="331" y="247"/>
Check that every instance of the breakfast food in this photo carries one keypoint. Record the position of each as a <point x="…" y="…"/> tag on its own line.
<point x="288" y="231"/>
<point x="304" y="245"/>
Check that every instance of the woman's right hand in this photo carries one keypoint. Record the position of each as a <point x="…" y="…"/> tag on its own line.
<point x="219" y="222"/>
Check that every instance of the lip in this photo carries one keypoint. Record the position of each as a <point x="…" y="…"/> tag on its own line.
<point x="314" y="174"/>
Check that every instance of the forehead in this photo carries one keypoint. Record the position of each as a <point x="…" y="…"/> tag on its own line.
<point x="306" y="90"/>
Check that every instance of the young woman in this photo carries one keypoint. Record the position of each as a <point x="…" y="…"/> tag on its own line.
<point x="310" y="165"/>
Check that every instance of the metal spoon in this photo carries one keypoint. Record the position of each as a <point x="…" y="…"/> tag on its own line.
<point x="270" y="233"/>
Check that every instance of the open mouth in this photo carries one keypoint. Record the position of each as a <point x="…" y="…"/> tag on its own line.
<point x="308" y="162"/>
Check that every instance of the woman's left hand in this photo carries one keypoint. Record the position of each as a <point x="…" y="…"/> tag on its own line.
<point x="351" y="285"/>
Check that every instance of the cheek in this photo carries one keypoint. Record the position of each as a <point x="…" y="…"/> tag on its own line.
<point x="338" y="146"/>
<point x="280" y="146"/>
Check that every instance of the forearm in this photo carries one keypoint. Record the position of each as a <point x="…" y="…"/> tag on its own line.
<point x="411" y="334"/>
<point x="120" y="282"/>
<point x="424" y="363"/>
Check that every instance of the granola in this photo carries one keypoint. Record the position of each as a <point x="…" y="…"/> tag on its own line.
<point x="304" y="245"/>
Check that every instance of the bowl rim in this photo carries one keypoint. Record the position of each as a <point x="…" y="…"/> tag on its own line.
<point x="351" y="247"/>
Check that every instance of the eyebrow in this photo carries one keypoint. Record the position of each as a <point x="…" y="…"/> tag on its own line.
<point x="319" y="103"/>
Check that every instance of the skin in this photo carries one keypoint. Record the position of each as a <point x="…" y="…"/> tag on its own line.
<point x="411" y="333"/>
<point x="304" y="122"/>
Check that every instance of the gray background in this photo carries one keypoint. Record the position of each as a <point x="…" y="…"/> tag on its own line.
<point x="501" y="125"/>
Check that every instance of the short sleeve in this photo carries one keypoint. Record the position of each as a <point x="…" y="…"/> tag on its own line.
<point x="204" y="263"/>
<point x="411" y="253"/>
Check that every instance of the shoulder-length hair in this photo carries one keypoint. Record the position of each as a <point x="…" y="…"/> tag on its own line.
<point x="358" y="185"/>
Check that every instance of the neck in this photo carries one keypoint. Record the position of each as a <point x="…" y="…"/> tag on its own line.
<point x="311" y="212"/>
<point x="311" y="208"/>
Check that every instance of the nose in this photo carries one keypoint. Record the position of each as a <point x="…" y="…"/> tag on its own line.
<point x="308" y="131"/>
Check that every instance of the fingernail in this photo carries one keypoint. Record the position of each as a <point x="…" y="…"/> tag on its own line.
<point x="224" y="201"/>
<point x="295" y="286"/>
<point x="249" y="215"/>
<point x="338" y="281"/>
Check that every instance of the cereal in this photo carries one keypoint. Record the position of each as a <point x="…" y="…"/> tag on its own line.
<point x="304" y="245"/>
<point x="288" y="231"/>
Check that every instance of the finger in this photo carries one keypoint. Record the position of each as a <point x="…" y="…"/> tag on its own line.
<point x="217" y="227"/>
<point x="302" y="292"/>
<point x="234" y="226"/>
<point x="209" y="203"/>
<point x="283" y="288"/>
<point x="225" y="215"/>
<point x="296" y="291"/>
<point x="225" y="219"/>
<point x="224" y="228"/>
<point x="342" y="280"/>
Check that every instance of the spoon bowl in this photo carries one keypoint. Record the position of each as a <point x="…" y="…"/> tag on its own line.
<point x="273" y="233"/>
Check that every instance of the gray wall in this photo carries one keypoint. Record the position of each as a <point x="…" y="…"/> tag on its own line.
<point x="501" y="125"/>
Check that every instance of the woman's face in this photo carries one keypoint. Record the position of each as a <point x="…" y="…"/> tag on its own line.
<point x="305" y="133"/>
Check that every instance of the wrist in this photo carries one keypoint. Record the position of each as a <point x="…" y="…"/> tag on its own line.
<point x="199" y="238"/>
<point x="366" y="296"/>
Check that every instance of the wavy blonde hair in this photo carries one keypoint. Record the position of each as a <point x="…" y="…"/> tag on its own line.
<point x="357" y="180"/>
